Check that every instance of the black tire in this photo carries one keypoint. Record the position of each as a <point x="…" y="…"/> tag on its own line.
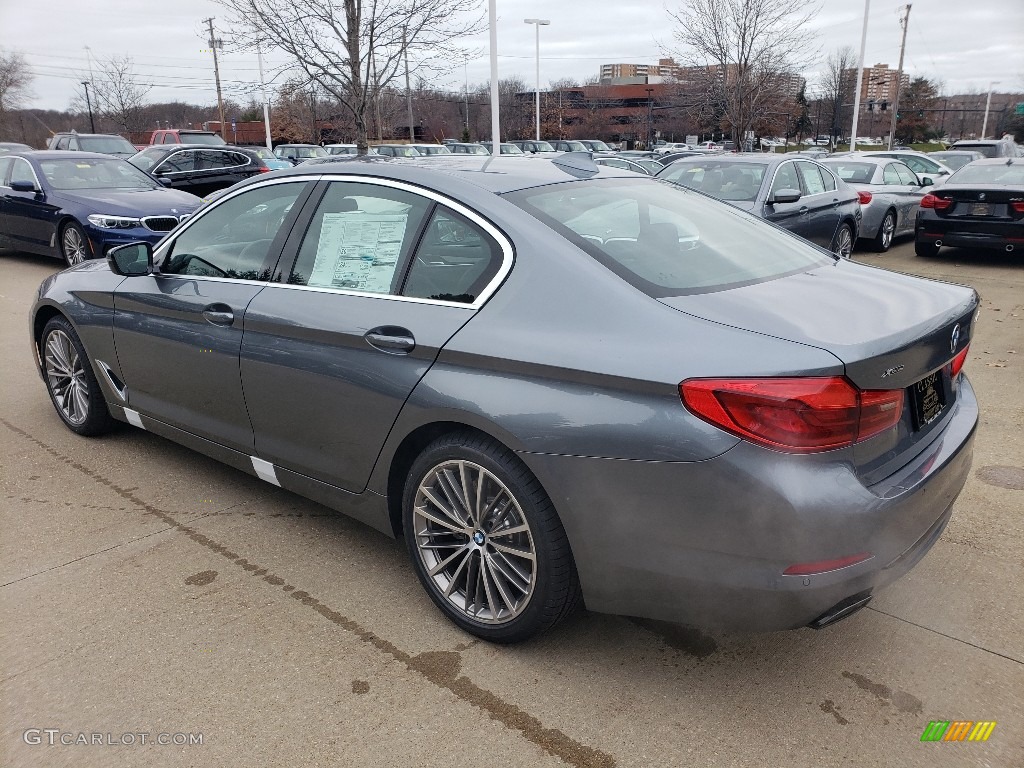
<point x="70" y="235"/>
<point x="555" y="584"/>
<point x="86" y="414"/>
<point x="842" y="246"/>
<point x="883" y="240"/>
<point x="926" y="250"/>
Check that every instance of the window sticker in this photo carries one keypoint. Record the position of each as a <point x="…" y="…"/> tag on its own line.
<point x="358" y="251"/>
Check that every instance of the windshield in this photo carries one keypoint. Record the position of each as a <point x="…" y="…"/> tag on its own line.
<point x="999" y="173"/>
<point x="541" y="146"/>
<point x="507" y="149"/>
<point x="107" y="145"/>
<point x="302" y="152"/>
<point x="201" y="138"/>
<point x="726" y="181"/>
<point x="434" y="150"/>
<point x="598" y="146"/>
<point x="666" y="240"/>
<point x="95" y="173"/>
<point x="574" y="146"/>
<point x="404" y="152"/>
<point x="854" y="173"/>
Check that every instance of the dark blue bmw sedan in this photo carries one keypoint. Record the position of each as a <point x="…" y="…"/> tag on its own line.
<point x="79" y="205"/>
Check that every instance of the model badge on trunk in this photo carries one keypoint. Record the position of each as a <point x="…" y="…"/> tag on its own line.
<point x="892" y="371"/>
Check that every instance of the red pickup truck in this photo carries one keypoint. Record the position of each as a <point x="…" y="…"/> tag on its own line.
<point x="182" y="136"/>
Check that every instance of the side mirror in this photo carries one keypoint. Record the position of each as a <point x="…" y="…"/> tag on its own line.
<point x="785" y="196"/>
<point x="927" y="181"/>
<point x="24" y="186"/>
<point x="163" y="181"/>
<point x="131" y="260"/>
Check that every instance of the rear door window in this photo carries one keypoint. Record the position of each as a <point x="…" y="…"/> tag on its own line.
<point x="811" y="178"/>
<point x="455" y="260"/>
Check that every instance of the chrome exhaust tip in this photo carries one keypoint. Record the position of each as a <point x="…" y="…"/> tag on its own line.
<point x="1009" y="249"/>
<point x="938" y="243"/>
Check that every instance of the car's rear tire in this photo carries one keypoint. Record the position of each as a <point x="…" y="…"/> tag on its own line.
<point x="72" y="385"/>
<point x="886" y="232"/>
<point x="927" y="250"/>
<point x="843" y="244"/>
<point x="74" y="245"/>
<point x="485" y="540"/>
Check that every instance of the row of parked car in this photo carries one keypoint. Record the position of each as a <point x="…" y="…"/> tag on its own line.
<point x="835" y="201"/>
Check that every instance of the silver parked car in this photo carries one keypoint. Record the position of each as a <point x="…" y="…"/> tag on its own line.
<point x="555" y="381"/>
<point x="890" y="193"/>
<point x="926" y="165"/>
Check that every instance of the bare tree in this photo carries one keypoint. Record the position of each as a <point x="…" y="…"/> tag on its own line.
<point x="744" y="52"/>
<point x="117" y="96"/>
<point x="837" y="85"/>
<point x="354" y="49"/>
<point x="15" y="80"/>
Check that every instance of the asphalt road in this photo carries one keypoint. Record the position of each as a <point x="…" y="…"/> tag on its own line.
<point x="148" y="590"/>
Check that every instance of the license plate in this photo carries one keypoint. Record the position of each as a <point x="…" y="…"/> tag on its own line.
<point x="980" y="209"/>
<point x="929" y="400"/>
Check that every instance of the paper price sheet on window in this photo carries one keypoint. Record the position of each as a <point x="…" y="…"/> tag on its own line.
<point x="358" y="250"/>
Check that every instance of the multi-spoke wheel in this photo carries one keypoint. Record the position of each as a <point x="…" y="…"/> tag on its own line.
<point x="70" y="381"/>
<point x="74" y="246"/>
<point x="886" y="231"/>
<point x="485" y="540"/>
<point x="844" y="242"/>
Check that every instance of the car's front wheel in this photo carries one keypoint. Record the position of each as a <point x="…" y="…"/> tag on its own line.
<point x="71" y="382"/>
<point x="74" y="246"/>
<point x="843" y="245"/>
<point x="485" y="540"/>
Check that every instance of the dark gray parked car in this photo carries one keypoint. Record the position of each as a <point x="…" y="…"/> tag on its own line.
<point x="796" y="193"/>
<point x="553" y="380"/>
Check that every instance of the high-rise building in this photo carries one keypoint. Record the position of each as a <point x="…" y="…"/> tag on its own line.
<point x="879" y="83"/>
<point x="665" y="69"/>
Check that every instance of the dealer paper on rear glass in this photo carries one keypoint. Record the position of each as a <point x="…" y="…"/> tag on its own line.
<point x="358" y="250"/>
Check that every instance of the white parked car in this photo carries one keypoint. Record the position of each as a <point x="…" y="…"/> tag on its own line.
<point x="664" y="149"/>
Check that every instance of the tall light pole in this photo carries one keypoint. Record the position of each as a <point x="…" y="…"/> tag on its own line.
<point x="266" y="101"/>
<point x="492" y="22"/>
<point x="538" y="23"/>
<point x="860" y="80"/>
<point x="988" y="103"/>
<point x="92" y="125"/>
<point x="650" y="122"/>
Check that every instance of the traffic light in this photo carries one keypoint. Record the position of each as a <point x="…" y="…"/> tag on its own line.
<point x="920" y="113"/>
<point x="885" y="105"/>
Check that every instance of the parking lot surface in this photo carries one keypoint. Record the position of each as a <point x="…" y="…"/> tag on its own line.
<point x="152" y="595"/>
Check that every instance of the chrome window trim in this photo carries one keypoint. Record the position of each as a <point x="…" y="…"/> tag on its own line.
<point x="507" y="251"/>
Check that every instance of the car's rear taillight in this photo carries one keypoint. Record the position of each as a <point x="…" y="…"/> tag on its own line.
<point x="957" y="364"/>
<point x="936" y="202"/>
<point x="796" y="415"/>
<point x="264" y="169"/>
<point x="864" y="197"/>
<point x="824" y="566"/>
<point x="1017" y="206"/>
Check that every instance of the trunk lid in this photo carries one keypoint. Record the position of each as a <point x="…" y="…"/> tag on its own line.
<point x="891" y="331"/>
<point x="979" y="201"/>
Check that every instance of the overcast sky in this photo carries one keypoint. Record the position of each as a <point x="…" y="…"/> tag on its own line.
<point x="964" y="43"/>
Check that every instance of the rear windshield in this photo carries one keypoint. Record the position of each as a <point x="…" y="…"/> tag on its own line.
<point x="94" y="173"/>
<point x="988" y="150"/>
<point x="989" y="174"/>
<point x="724" y="180"/>
<point x="667" y="240"/>
<point x="954" y="160"/>
<point x="106" y="145"/>
<point x="855" y="173"/>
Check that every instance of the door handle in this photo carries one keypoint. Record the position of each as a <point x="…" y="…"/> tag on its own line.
<point x="391" y="339"/>
<point x="219" y="314"/>
<point x="803" y="210"/>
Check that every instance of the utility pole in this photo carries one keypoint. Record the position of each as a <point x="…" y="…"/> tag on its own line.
<point x="214" y="45"/>
<point x="899" y="74"/>
<point x="988" y="103"/>
<point x="92" y="125"/>
<point x="650" y="119"/>
<point x="408" y="88"/>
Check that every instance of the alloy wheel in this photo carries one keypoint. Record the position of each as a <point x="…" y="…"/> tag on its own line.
<point x="65" y="376"/>
<point x="888" y="229"/>
<point x="474" y="542"/>
<point x="74" y="246"/>
<point x="844" y="243"/>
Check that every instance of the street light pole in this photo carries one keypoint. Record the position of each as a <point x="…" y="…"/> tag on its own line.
<point x="538" y="23"/>
<point x="492" y="23"/>
<point x="860" y="80"/>
<point x="984" y="124"/>
<point x="92" y="125"/>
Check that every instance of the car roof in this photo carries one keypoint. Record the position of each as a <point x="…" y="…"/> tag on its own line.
<point x="457" y="173"/>
<point x="86" y="135"/>
<point x="58" y="154"/>
<point x="997" y="161"/>
<point x="758" y="158"/>
<point x="856" y="157"/>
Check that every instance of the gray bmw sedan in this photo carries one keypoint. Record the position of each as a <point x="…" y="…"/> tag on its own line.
<point x="557" y="382"/>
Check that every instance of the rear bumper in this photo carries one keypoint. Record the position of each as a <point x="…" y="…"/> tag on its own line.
<point x="706" y="543"/>
<point x="970" y="233"/>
